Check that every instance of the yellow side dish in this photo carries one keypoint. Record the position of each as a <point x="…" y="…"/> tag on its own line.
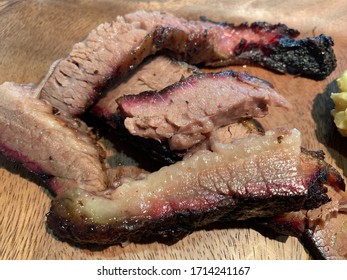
<point x="340" y="100"/>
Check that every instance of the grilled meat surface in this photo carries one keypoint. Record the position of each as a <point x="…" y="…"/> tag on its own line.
<point x="148" y="77"/>
<point x="216" y="176"/>
<point x="155" y="73"/>
<point x="321" y="230"/>
<point x="229" y="181"/>
<point x="185" y="113"/>
<point x="59" y="148"/>
<point x="257" y="176"/>
<point x="113" y="49"/>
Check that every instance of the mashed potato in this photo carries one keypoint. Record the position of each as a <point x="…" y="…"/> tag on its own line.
<point x="340" y="100"/>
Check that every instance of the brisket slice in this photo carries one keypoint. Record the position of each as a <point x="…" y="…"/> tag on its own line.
<point x="148" y="76"/>
<point x="113" y="49"/>
<point x="155" y="73"/>
<point x="60" y="149"/>
<point x="211" y="43"/>
<point x="257" y="176"/>
<point x="327" y="239"/>
<point x="322" y="230"/>
<point x="187" y="112"/>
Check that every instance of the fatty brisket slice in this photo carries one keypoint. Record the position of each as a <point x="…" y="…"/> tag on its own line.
<point x="322" y="230"/>
<point x="251" y="177"/>
<point x="256" y="176"/>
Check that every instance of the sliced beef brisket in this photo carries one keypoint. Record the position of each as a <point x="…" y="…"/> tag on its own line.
<point x="187" y="112"/>
<point x="321" y="230"/>
<point x="155" y="73"/>
<point x="59" y="148"/>
<point x="149" y="76"/>
<point x="256" y="176"/>
<point x="253" y="176"/>
<point x="113" y="49"/>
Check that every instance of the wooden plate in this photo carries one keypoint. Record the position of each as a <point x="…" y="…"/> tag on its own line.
<point x="35" y="33"/>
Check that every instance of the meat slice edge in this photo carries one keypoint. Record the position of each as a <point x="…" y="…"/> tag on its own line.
<point x="257" y="176"/>
<point x="112" y="49"/>
<point x="155" y="73"/>
<point x="149" y="76"/>
<point x="187" y="112"/>
<point x="34" y="113"/>
<point x="322" y="230"/>
<point x="59" y="148"/>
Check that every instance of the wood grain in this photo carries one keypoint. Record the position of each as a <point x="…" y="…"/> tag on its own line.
<point x="35" y="33"/>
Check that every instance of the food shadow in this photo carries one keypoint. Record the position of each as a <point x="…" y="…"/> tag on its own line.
<point x="326" y="131"/>
<point x="17" y="169"/>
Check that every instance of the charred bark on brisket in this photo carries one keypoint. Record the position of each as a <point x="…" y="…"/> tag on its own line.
<point x="155" y="73"/>
<point x="37" y="133"/>
<point x="149" y="77"/>
<point x="211" y="189"/>
<point x="187" y="112"/>
<point x="322" y="231"/>
<point x="83" y="210"/>
<point x="112" y="49"/>
<point x="159" y="152"/>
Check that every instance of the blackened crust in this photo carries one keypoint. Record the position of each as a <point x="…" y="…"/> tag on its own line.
<point x="69" y="226"/>
<point x="312" y="57"/>
<point x="280" y="28"/>
<point x="310" y="243"/>
<point x="196" y="42"/>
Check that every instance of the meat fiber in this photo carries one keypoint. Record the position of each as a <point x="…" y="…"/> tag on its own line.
<point x="60" y="149"/>
<point x="113" y="49"/>
<point x="187" y="112"/>
<point x="322" y="230"/>
<point x="326" y="239"/>
<point x="257" y="176"/>
<point x="161" y="153"/>
<point x="254" y="176"/>
<point x="149" y="77"/>
<point x="155" y="73"/>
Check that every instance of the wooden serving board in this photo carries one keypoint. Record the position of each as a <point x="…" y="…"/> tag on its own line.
<point x="35" y="33"/>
